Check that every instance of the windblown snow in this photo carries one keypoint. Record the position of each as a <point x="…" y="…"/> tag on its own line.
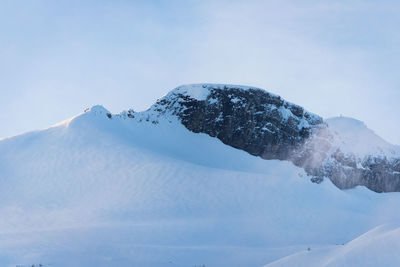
<point x="130" y="190"/>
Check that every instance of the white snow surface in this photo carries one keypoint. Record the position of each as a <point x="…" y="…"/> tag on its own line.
<point x="94" y="191"/>
<point x="354" y="137"/>
<point x="377" y="247"/>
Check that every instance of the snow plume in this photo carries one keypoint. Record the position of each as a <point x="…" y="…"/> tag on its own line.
<point x="315" y="150"/>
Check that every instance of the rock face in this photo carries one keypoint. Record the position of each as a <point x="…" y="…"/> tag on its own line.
<point x="253" y="120"/>
<point x="265" y="125"/>
<point x="377" y="173"/>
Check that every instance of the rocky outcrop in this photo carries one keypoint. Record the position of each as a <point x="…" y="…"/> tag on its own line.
<point x="380" y="174"/>
<point x="265" y="125"/>
<point x="253" y="120"/>
<point x="250" y="119"/>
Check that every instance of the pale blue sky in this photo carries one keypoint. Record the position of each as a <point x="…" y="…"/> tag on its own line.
<point x="332" y="57"/>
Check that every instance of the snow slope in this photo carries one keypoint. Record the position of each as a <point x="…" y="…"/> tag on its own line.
<point x="377" y="247"/>
<point x="99" y="191"/>
<point x="353" y="137"/>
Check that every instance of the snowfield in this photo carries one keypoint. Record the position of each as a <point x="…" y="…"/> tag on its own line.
<point x="99" y="191"/>
<point x="377" y="247"/>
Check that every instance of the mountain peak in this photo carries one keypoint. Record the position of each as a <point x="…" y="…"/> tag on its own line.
<point x="354" y="137"/>
<point x="265" y="125"/>
<point x="346" y="124"/>
<point x="97" y="109"/>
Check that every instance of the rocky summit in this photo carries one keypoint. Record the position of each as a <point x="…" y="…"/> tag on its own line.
<point x="265" y="125"/>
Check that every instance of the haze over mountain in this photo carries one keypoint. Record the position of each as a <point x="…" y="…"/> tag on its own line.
<point x="220" y="175"/>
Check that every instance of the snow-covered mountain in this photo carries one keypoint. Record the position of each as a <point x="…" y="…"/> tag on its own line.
<point x="159" y="188"/>
<point x="263" y="124"/>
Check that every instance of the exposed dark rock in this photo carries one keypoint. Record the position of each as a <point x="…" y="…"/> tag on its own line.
<point x="252" y="120"/>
